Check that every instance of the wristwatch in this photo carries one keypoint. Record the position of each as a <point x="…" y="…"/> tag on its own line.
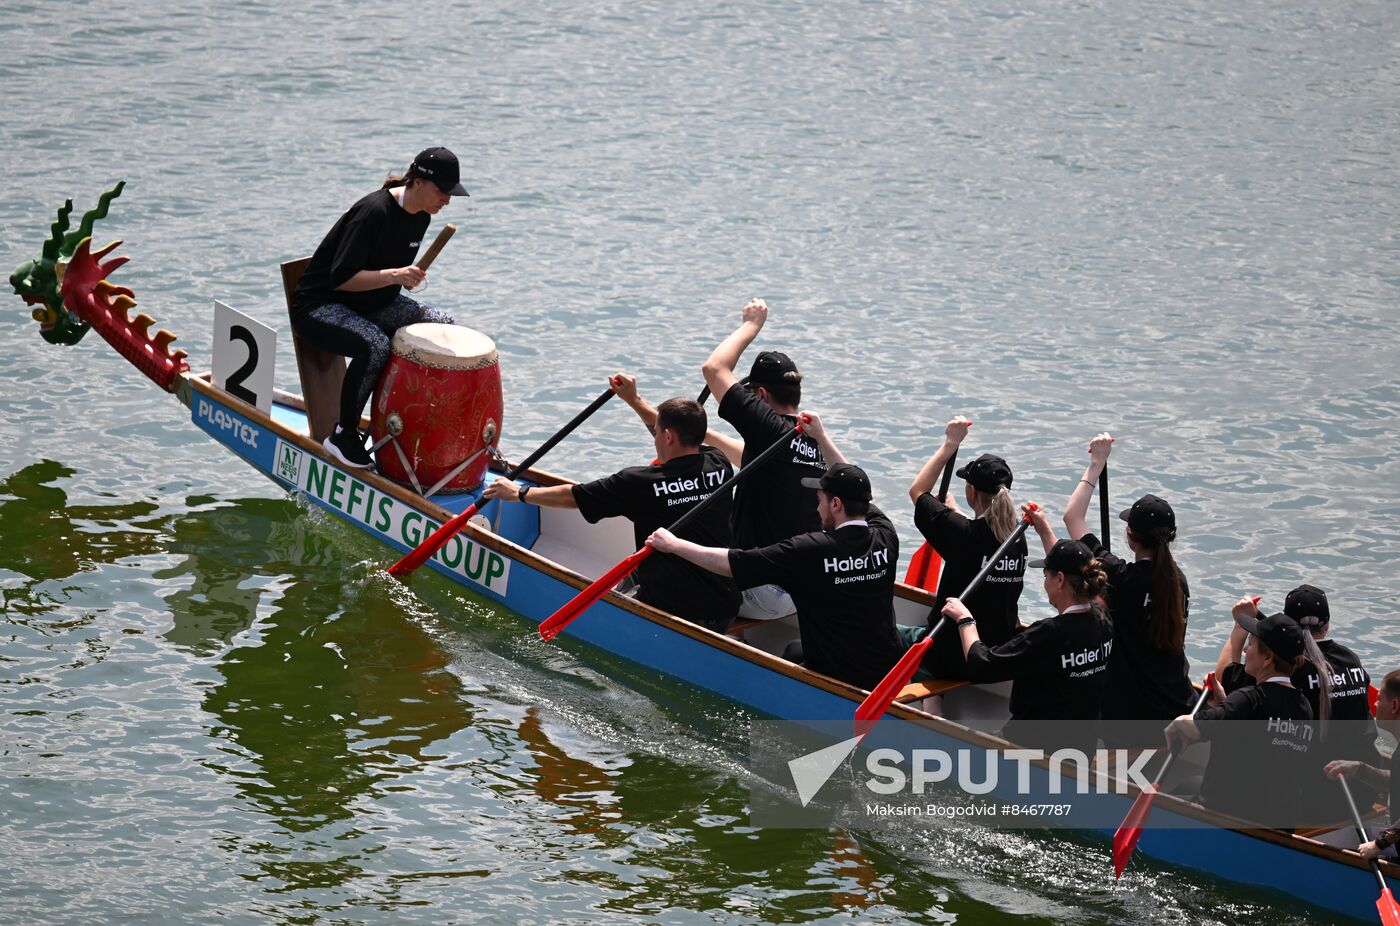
<point x="521" y="496"/>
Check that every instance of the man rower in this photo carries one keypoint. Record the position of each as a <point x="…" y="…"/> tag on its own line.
<point x="686" y="473"/>
<point x="841" y="578"/>
<point x="772" y="505"/>
<point x="1383" y="779"/>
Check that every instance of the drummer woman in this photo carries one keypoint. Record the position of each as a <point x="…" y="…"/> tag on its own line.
<point x="349" y="300"/>
<point x="1147" y="601"/>
<point x="1058" y="666"/>
<point x="964" y="542"/>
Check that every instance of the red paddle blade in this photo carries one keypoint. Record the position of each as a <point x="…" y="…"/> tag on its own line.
<point x="424" y="551"/>
<point x="1373" y="697"/>
<point x="924" y="569"/>
<point x="1126" y="837"/>
<point x="1389" y="911"/>
<point x="879" y="700"/>
<point x="560" y="619"/>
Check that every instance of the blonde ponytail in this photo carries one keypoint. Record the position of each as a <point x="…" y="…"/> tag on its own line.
<point x="999" y="512"/>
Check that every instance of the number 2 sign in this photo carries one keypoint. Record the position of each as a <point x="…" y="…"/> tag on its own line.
<point x="245" y="353"/>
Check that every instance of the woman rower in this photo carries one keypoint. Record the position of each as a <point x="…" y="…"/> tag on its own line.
<point x="349" y="300"/>
<point x="964" y="543"/>
<point x="1260" y="734"/>
<point x="1058" y="665"/>
<point x="1147" y="599"/>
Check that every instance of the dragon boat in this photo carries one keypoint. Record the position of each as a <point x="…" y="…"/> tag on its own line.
<point x="533" y="560"/>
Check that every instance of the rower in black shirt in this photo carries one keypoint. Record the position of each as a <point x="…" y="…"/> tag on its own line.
<point x="1058" y="665"/>
<point x="687" y="472"/>
<point x="1351" y="731"/>
<point x="965" y="543"/>
<point x="1382" y="776"/>
<point x="772" y="504"/>
<point x="841" y="577"/>
<point x="1260" y="734"/>
<point x="1148" y="601"/>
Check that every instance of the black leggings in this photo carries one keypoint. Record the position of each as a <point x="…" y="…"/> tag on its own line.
<point x="339" y="329"/>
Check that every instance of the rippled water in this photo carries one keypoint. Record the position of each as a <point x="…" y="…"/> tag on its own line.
<point x="1177" y="223"/>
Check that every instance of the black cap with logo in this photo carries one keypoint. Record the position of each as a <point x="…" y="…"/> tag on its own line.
<point x="1147" y="513"/>
<point x="1307" y="604"/>
<point x="1279" y="632"/>
<point x="440" y="166"/>
<point x="771" y="368"/>
<point x="987" y="473"/>
<point x="1065" y="556"/>
<point x="846" y="481"/>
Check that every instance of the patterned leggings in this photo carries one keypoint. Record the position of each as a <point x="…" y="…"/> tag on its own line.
<point x="339" y="329"/>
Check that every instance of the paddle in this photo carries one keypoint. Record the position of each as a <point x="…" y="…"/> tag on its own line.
<point x="560" y="619"/>
<point x="1385" y="905"/>
<point x="1126" y="837"/>
<point x="882" y="696"/>
<point x="1103" y="508"/>
<point x="421" y="553"/>
<point x="926" y="559"/>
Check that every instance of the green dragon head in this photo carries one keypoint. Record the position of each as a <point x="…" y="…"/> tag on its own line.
<point x="37" y="281"/>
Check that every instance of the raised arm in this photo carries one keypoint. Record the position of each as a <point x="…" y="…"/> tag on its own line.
<point x="718" y="368"/>
<point x="1041" y="523"/>
<point x="953" y="435"/>
<point x="712" y="559"/>
<point x="1233" y="650"/>
<point x="1077" y="508"/>
<point x="624" y="385"/>
<point x="812" y="425"/>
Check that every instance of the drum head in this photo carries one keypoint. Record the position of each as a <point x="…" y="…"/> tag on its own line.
<point x="446" y="347"/>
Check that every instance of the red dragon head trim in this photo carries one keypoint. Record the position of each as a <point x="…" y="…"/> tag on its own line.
<point x="88" y="294"/>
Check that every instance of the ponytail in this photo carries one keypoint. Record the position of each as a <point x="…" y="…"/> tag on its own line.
<point x="1324" y="678"/>
<point x="1000" y="512"/>
<point x="1166" y="628"/>
<point x="403" y="179"/>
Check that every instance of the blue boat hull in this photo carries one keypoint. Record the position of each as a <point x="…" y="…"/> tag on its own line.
<point x="504" y="570"/>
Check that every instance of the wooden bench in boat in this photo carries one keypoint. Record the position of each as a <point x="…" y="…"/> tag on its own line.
<point x="321" y="372"/>
<point x="917" y="691"/>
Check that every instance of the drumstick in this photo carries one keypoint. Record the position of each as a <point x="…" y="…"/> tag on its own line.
<point x="426" y="261"/>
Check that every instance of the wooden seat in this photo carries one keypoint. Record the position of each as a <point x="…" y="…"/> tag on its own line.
<point x="737" y="628"/>
<point x="917" y="691"/>
<point x="321" y="372"/>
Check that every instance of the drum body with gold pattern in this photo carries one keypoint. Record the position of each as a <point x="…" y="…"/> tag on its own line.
<point x="440" y="398"/>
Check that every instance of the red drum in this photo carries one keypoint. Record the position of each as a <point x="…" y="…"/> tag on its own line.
<point x="440" y="397"/>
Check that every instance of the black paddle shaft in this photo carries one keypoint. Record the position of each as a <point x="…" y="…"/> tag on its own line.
<point x="947" y="476"/>
<point x="1103" y="507"/>
<point x="754" y="464"/>
<point x="562" y="433"/>
<point x="1015" y="535"/>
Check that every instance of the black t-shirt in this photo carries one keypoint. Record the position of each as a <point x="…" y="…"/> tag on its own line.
<point x="1059" y="667"/>
<point x="656" y="496"/>
<point x="842" y="582"/>
<point x="1258" y="768"/>
<point x="965" y="545"/>
<point x="771" y="505"/>
<point x="376" y="234"/>
<point x="1144" y="682"/>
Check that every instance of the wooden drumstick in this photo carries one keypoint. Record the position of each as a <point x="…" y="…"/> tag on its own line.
<point x="447" y="232"/>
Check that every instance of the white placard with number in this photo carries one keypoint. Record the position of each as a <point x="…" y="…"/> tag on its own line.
<point x="245" y="353"/>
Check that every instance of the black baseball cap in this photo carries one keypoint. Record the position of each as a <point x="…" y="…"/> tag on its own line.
<point x="1147" y="513"/>
<point x="1307" y="604"/>
<point x="987" y="473"/>
<point x="1279" y="632"/>
<point x="846" y="481"/>
<point x="440" y="166"/>
<point x="770" y="368"/>
<point x="1065" y="556"/>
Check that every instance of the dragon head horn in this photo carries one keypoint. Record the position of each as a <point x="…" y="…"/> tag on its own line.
<point x="84" y="229"/>
<point x="51" y="247"/>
